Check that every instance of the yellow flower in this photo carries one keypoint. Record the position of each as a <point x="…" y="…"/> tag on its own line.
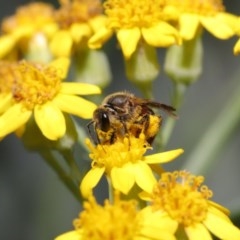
<point x="29" y="21"/>
<point x="124" y="164"/>
<point x="236" y="49"/>
<point x="184" y="199"/>
<point x="77" y="20"/>
<point x="118" y="221"/>
<point x="209" y="14"/>
<point x="134" y="21"/>
<point x="37" y="89"/>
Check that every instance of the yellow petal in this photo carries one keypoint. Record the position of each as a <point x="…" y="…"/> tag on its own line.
<point x="79" y="88"/>
<point x="61" y="44"/>
<point x="80" y="31"/>
<point x="217" y="27"/>
<point x="236" y="49"/>
<point x="98" y="22"/>
<point x="197" y="232"/>
<point x="188" y="24"/>
<point x="218" y="209"/>
<point x="5" y="102"/>
<point x="15" y="117"/>
<point x="144" y="176"/>
<point x="50" y="120"/>
<point x="221" y="227"/>
<point x="72" y="235"/>
<point x="61" y="65"/>
<point x="122" y="179"/>
<point x="75" y="105"/>
<point x="99" y="38"/>
<point x="7" y="43"/>
<point x="161" y="35"/>
<point x="159" y="220"/>
<point x="128" y="39"/>
<point x="90" y="180"/>
<point x="163" y="157"/>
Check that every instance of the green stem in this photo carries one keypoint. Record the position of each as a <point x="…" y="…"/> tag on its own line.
<point x="64" y="177"/>
<point x="110" y="190"/>
<point x="74" y="169"/>
<point x="210" y="145"/>
<point x="169" y="124"/>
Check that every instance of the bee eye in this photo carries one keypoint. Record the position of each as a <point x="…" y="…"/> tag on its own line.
<point x="105" y="123"/>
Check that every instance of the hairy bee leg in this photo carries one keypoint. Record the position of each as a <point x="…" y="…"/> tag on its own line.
<point x="91" y="133"/>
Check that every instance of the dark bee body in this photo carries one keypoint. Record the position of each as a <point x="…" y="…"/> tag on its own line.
<point x="123" y="113"/>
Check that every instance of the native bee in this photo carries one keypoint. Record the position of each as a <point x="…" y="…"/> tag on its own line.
<point x="123" y="113"/>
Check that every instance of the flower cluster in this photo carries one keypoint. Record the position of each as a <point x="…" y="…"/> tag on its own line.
<point x="50" y="57"/>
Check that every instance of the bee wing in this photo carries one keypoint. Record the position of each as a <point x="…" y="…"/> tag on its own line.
<point x="166" y="108"/>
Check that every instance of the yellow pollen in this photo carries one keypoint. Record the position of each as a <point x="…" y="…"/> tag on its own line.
<point x="77" y="11"/>
<point x="37" y="14"/>
<point x="6" y="77"/>
<point x="182" y="196"/>
<point x="124" y="150"/>
<point x="135" y="13"/>
<point x="203" y="7"/>
<point x="116" y="221"/>
<point x="34" y="84"/>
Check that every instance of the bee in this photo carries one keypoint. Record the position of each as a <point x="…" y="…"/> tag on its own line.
<point x="122" y="113"/>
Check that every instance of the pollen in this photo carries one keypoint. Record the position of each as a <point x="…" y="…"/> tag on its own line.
<point x="6" y="77"/>
<point x="182" y="196"/>
<point x="124" y="150"/>
<point x="34" y="13"/>
<point x="77" y="11"/>
<point x="112" y="221"/>
<point x="34" y="84"/>
<point x="203" y="7"/>
<point x="136" y="13"/>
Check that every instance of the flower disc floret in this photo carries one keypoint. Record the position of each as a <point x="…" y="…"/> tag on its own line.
<point x="205" y="7"/>
<point x="38" y="90"/>
<point x="77" y="11"/>
<point x="136" y="21"/>
<point x="35" y="84"/>
<point x="124" y="164"/>
<point x="126" y="150"/>
<point x="192" y="16"/>
<point x="112" y="221"/>
<point x="136" y="13"/>
<point x="182" y="197"/>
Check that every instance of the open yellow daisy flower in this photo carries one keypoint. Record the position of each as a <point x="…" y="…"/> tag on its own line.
<point x="120" y="220"/>
<point x="134" y="21"/>
<point x="28" y="21"/>
<point x="208" y="14"/>
<point x="180" y="196"/>
<point x="124" y="164"/>
<point x="77" y="21"/>
<point x="37" y="89"/>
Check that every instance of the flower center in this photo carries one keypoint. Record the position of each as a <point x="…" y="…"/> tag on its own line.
<point x="124" y="150"/>
<point x="77" y="11"/>
<point x="118" y="221"/>
<point x="182" y="196"/>
<point x="34" y="84"/>
<point x="135" y="13"/>
<point x="37" y="14"/>
<point x="6" y="77"/>
<point x="203" y="7"/>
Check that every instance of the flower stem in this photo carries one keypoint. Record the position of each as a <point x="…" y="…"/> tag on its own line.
<point x="178" y="95"/>
<point x="110" y="190"/>
<point x="211" y="143"/>
<point x="64" y="177"/>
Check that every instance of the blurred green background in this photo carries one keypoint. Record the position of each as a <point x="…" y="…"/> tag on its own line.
<point x="35" y="205"/>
